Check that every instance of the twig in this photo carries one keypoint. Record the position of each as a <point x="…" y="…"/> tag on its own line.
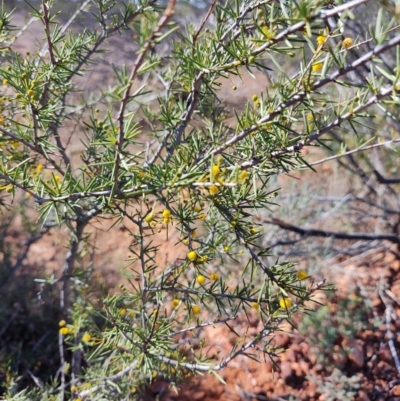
<point x="204" y="20"/>
<point x="203" y="294"/>
<point x="20" y="186"/>
<point x="331" y="234"/>
<point x="382" y="180"/>
<point x="46" y="20"/>
<point x="361" y="149"/>
<point x="62" y="363"/>
<point x="390" y="336"/>
<point x="12" y="317"/>
<point x="36" y="149"/>
<point x="25" y="27"/>
<point x="45" y="47"/>
<point x="37" y="381"/>
<point x="169" y="11"/>
<point x="30" y="241"/>
<point x="112" y="378"/>
<point x="70" y="258"/>
<point x="199" y="326"/>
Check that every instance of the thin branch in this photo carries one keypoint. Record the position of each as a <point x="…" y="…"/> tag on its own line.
<point x="20" y="186"/>
<point x="267" y="330"/>
<point x="62" y="363"/>
<point x="204" y="20"/>
<point x="203" y="294"/>
<point x="330" y="234"/>
<point x="45" y="47"/>
<point x="5" y="325"/>
<point x="169" y="11"/>
<point x="36" y="149"/>
<point x="25" y="27"/>
<point x="389" y="334"/>
<point x="382" y="180"/>
<point x="46" y="20"/>
<point x="360" y="149"/>
<point x="112" y="378"/>
<point x="27" y="243"/>
<point x="199" y="326"/>
<point x="76" y="237"/>
<point x="143" y="274"/>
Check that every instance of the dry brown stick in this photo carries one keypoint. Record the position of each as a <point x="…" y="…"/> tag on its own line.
<point x="46" y="20"/>
<point x="203" y="22"/>
<point x="331" y="234"/>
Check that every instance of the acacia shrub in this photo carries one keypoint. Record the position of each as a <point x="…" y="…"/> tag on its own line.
<point x="181" y="168"/>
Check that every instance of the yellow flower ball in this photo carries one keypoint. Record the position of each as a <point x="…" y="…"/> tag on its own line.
<point x="302" y="275"/>
<point x="196" y="309"/>
<point x="255" y="98"/>
<point x="214" y="276"/>
<point x="62" y="323"/>
<point x="86" y="337"/>
<point x="148" y="218"/>
<point x="213" y="190"/>
<point x="243" y="175"/>
<point x="175" y="303"/>
<point x="255" y="305"/>
<point x="122" y="312"/>
<point x="202" y="216"/>
<point x="39" y="168"/>
<point x="317" y="67"/>
<point x="64" y="331"/>
<point x="201" y="279"/>
<point x="166" y="214"/>
<point x="285" y="303"/>
<point x="74" y="388"/>
<point x="192" y="255"/>
<point x="227" y="248"/>
<point x="347" y="42"/>
<point x="321" y="39"/>
<point x="215" y="170"/>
